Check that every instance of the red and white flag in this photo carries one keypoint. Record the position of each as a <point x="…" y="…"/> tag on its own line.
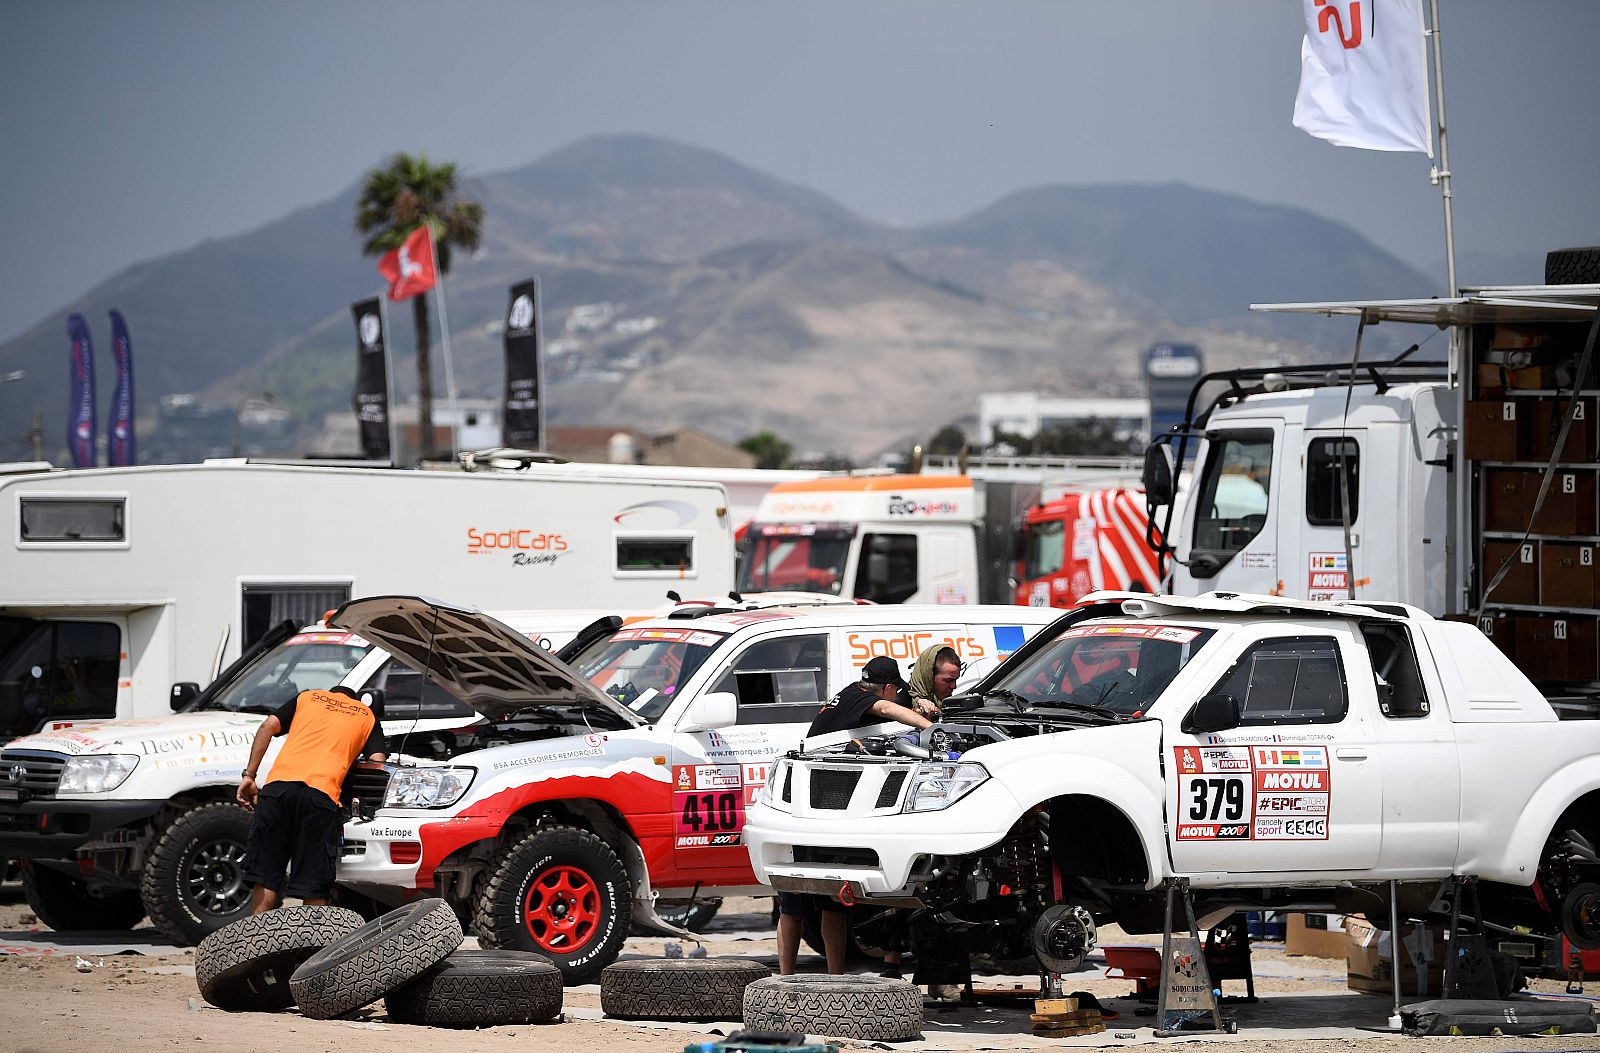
<point x="410" y="269"/>
<point x="1364" y="75"/>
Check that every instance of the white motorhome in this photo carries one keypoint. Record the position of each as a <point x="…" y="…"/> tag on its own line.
<point x="117" y="584"/>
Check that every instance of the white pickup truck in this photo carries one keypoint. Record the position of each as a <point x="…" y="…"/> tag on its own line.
<point x="1280" y="754"/>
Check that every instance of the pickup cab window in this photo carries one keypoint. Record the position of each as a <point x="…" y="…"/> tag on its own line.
<point x="1120" y="667"/>
<point x="1394" y="670"/>
<point x="1234" y="486"/>
<point x="1288" y="680"/>
<point x="779" y="681"/>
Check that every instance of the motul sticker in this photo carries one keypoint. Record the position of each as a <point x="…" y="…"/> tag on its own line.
<point x="1328" y="577"/>
<point x="709" y="800"/>
<point x="1260" y="793"/>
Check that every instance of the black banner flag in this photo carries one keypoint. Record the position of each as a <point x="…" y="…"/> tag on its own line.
<point x="371" y="401"/>
<point x="522" y="424"/>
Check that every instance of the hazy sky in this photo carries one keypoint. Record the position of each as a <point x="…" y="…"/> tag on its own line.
<point x="129" y="130"/>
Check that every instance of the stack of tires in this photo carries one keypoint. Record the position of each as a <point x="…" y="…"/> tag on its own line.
<point x="329" y="962"/>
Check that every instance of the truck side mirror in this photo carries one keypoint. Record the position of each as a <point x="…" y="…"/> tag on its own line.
<point x="1212" y="713"/>
<point x="712" y="710"/>
<point x="183" y="693"/>
<point x="1157" y="475"/>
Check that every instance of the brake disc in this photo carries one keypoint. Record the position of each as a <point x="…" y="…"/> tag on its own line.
<point x="1063" y="937"/>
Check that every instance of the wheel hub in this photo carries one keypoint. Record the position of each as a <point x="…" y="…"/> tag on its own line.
<point x="214" y="878"/>
<point x="561" y="909"/>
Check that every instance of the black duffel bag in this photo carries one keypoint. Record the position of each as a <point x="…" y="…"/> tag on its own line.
<point x="1522" y="1016"/>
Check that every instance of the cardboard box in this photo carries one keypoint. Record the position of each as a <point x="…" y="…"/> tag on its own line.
<point x="1315" y="935"/>
<point x="1517" y="378"/>
<point x="1369" y="953"/>
<point x="1516" y="337"/>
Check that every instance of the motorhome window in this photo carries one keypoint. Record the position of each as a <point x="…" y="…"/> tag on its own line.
<point x="1047" y="549"/>
<point x="1120" y="667"/>
<point x="73" y="520"/>
<point x="645" y="672"/>
<point x="795" y="558"/>
<point x="1288" y="680"/>
<point x="782" y="681"/>
<point x="888" y="569"/>
<point x="406" y="698"/>
<point x="300" y="663"/>
<point x="1233" y="491"/>
<point x="1326" y="462"/>
<point x="655" y="553"/>
<point x="265" y="605"/>
<point x="1394" y="667"/>
<point x="56" y="670"/>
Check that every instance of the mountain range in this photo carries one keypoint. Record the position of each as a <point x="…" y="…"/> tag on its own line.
<point x="681" y="287"/>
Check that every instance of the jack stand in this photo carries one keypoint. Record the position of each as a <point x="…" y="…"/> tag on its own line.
<point x="1395" y="1023"/>
<point x="1574" y="972"/>
<point x="1049" y="984"/>
<point x="1186" y="992"/>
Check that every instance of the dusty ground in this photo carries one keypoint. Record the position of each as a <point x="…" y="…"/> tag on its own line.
<point x="149" y="1002"/>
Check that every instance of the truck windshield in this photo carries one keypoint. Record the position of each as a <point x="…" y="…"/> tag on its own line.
<point x="795" y="557"/>
<point x="301" y="663"/>
<point x="644" y="669"/>
<point x="1047" y="549"/>
<point x="1118" y="667"/>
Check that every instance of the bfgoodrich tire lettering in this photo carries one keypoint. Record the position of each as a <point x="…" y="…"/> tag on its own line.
<point x="193" y="883"/>
<point x="870" y="1008"/>
<point x="65" y="903"/>
<point x="560" y="892"/>
<point x="247" y="965"/>
<point x="375" y="959"/>
<point x="678" y="988"/>
<point x="480" y="989"/>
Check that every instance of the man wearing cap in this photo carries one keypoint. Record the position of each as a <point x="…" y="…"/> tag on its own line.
<point x="870" y="701"/>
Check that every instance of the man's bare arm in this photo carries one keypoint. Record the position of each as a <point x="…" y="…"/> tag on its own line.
<point x="248" y="791"/>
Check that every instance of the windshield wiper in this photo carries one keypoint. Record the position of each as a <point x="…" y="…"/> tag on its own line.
<point x="1079" y="707"/>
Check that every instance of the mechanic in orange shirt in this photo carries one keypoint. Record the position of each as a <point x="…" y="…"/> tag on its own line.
<point x="297" y="824"/>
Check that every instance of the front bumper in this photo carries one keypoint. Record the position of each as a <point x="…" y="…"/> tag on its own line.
<point x="831" y="846"/>
<point x="367" y="859"/>
<point x="56" y="827"/>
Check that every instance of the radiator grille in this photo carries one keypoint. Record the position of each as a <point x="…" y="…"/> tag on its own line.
<point x="890" y="794"/>
<point x="831" y="789"/>
<point x="35" y="774"/>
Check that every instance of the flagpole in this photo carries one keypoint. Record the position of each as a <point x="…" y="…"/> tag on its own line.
<point x="444" y="339"/>
<point x="1441" y="171"/>
<point x="388" y="381"/>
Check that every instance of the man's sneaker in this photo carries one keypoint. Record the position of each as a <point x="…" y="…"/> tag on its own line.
<point x="944" y="992"/>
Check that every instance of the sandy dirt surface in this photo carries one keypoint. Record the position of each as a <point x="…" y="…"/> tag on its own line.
<point x="149" y="1002"/>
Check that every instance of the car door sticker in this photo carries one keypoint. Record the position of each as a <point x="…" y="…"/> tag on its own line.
<point x="1260" y="793"/>
<point x="708" y="804"/>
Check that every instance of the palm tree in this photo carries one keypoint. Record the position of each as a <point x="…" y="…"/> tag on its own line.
<point x="397" y="199"/>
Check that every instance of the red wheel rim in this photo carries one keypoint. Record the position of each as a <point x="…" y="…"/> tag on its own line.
<point x="562" y="909"/>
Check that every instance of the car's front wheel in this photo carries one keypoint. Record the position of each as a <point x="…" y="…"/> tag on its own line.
<point x="193" y="882"/>
<point x="563" y="893"/>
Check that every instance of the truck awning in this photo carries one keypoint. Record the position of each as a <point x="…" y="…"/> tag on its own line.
<point x="1521" y="303"/>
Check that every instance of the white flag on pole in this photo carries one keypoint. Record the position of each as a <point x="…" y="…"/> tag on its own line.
<point x="1363" y="75"/>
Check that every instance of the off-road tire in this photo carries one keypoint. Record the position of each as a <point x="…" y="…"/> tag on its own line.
<point x="480" y="989"/>
<point x="694" y="917"/>
<point x="870" y="1008"/>
<point x="560" y="892"/>
<point x="247" y="965"/>
<point x="193" y="881"/>
<point x="377" y="958"/>
<point x="678" y="988"/>
<point x="1572" y="266"/>
<point x="65" y="903"/>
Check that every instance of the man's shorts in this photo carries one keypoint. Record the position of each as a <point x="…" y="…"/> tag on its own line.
<point x="298" y="828"/>
<point x="807" y="905"/>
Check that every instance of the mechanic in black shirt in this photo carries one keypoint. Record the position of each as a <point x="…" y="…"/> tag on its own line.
<point x="870" y="701"/>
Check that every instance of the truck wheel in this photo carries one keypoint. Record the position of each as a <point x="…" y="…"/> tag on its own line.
<point x="480" y="989"/>
<point x="246" y="966"/>
<point x="1572" y="266"/>
<point x="1580" y="916"/>
<point x="379" y="957"/>
<point x="193" y="883"/>
<point x="678" y="988"/>
<point x="870" y="1008"/>
<point x="560" y="892"/>
<point x="67" y="904"/>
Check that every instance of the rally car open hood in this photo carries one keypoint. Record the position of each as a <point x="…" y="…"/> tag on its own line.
<point x="484" y="662"/>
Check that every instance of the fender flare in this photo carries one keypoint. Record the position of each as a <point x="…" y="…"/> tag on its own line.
<point x="1518" y="862"/>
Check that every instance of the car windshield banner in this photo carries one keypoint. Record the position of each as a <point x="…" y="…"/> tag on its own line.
<point x="119" y="428"/>
<point x="371" y="401"/>
<point x="80" y="422"/>
<point x="523" y="419"/>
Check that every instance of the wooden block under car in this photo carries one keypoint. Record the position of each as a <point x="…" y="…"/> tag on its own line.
<point x="1075" y="1019"/>
<point x="1051" y="1031"/>
<point x="1497" y="430"/>
<point x="1047" y="1006"/>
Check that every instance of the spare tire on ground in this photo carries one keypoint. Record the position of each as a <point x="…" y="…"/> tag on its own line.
<point x="678" y="988"/>
<point x="375" y="959"/>
<point x="480" y="989"/>
<point x="871" y="1008"/>
<point x="246" y="965"/>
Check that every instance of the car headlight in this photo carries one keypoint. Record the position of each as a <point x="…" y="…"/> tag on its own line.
<point x="768" y="793"/>
<point x="936" y="786"/>
<point x="427" y="787"/>
<point x="96" y="773"/>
